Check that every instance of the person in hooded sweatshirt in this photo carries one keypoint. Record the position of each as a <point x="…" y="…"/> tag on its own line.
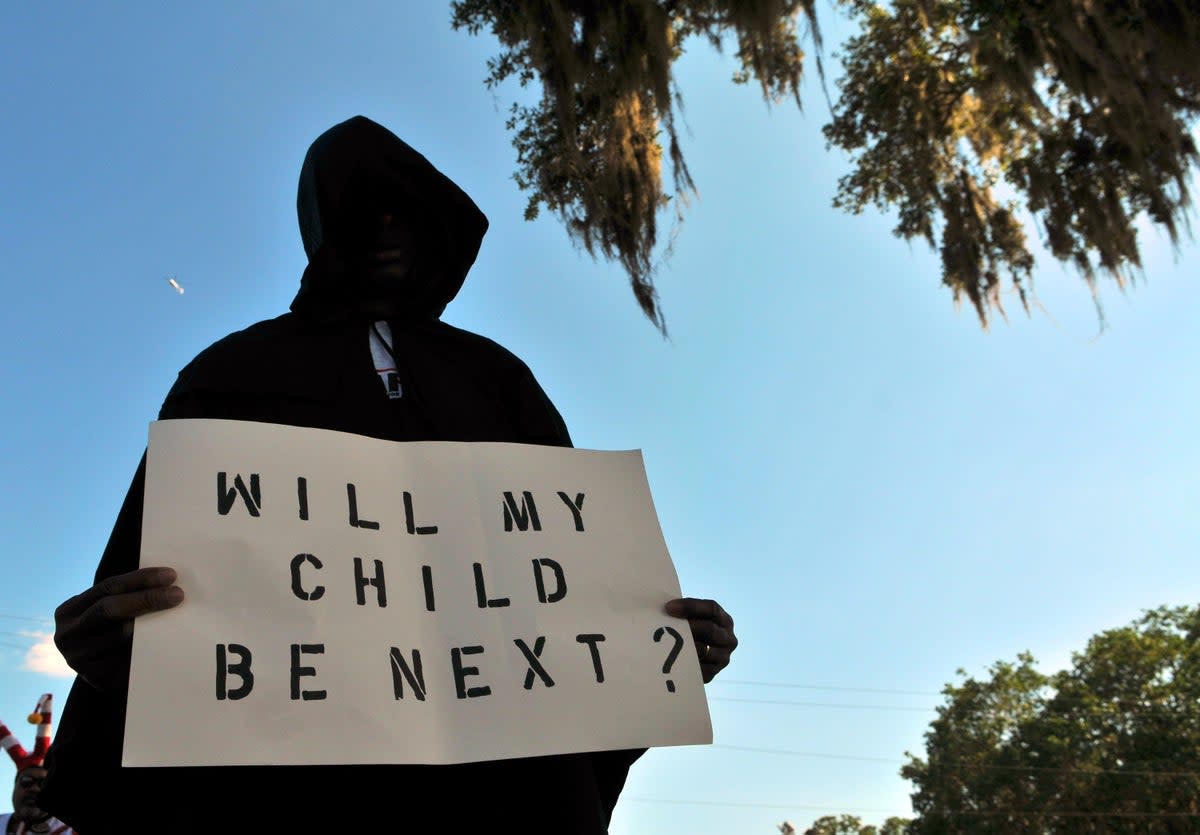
<point x="363" y="350"/>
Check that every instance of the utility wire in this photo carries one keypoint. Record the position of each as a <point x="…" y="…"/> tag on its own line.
<point x="46" y="621"/>
<point x="1052" y="813"/>
<point x="1057" y="698"/>
<point x="956" y="765"/>
<point x="1122" y="707"/>
<point x="1058" y="813"/>
<point x="788" y="685"/>
<point x="744" y="805"/>
<point x="819" y="704"/>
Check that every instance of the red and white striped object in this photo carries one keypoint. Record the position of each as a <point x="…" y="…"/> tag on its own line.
<point x="41" y="717"/>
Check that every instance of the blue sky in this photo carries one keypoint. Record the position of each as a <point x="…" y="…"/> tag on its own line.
<point x="877" y="490"/>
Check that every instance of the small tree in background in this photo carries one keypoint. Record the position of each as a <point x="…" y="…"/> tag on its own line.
<point x="1111" y="745"/>
<point x="851" y="825"/>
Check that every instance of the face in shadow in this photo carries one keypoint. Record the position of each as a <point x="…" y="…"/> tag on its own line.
<point x="384" y="264"/>
<point x="26" y="789"/>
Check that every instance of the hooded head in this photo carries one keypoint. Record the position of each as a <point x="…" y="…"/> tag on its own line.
<point x="356" y="173"/>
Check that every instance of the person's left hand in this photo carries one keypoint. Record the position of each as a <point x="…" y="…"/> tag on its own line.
<point x="712" y="630"/>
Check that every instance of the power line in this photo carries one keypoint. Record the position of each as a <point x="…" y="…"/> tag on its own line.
<point x="1059" y="813"/>
<point x="844" y="689"/>
<point x="1125" y="705"/>
<point x="1044" y="813"/>
<point x="46" y="621"/>
<point x="745" y="805"/>
<point x="955" y="765"/>
<point x="1129" y="708"/>
<point x="751" y="750"/>
<point x="819" y="704"/>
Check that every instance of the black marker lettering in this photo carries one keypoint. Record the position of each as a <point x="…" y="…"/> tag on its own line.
<point x="410" y="518"/>
<point x="591" y="641"/>
<point x="560" y="580"/>
<point x="414" y="674"/>
<point x="226" y="495"/>
<point x="241" y="669"/>
<point x="461" y="673"/>
<point x="524" y="516"/>
<point x="481" y="592"/>
<point x="532" y="657"/>
<point x="302" y="497"/>
<point x="427" y="581"/>
<point x="575" y="506"/>
<point x="355" y="522"/>
<point x="361" y="582"/>
<point x="298" y="672"/>
<point x="297" y="586"/>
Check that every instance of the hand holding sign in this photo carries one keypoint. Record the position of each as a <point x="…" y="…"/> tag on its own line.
<point x="712" y="630"/>
<point x="94" y="630"/>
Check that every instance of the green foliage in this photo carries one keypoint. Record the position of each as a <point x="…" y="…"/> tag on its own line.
<point x="851" y="825"/>
<point x="1081" y="109"/>
<point x="1111" y="745"/>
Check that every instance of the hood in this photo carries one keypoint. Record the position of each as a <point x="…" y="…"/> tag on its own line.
<point x="352" y="171"/>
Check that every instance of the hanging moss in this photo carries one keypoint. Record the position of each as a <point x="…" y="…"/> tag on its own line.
<point x="1083" y="108"/>
<point x="591" y="150"/>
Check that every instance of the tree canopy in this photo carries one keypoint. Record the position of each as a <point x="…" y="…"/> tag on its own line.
<point x="1110" y="745"/>
<point x="1081" y="110"/>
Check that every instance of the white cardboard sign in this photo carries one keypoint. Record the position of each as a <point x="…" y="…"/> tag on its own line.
<point x="351" y="600"/>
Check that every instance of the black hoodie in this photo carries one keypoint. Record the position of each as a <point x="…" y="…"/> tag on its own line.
<point x="312" y="367"/>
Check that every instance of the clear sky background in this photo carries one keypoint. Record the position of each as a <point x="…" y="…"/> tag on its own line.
<point x="876" y="489"/>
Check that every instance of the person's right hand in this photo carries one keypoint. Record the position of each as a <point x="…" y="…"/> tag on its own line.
<point x="94" y="630"/>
